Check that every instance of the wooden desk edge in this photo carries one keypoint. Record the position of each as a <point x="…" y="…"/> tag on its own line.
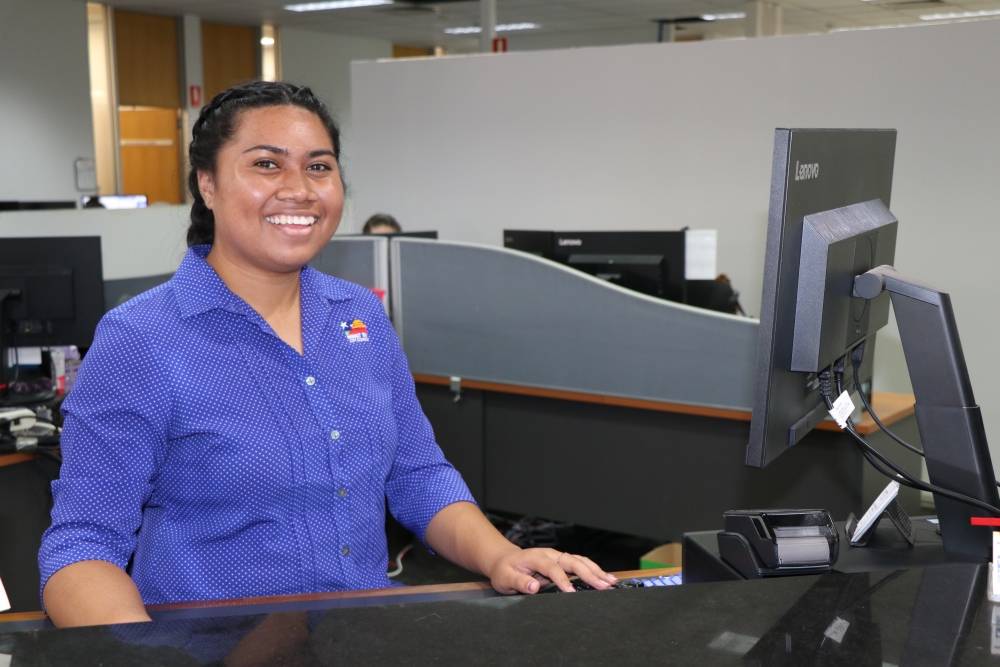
<point x="402" y="591"/>
<point x="891" y="407"/>
<point x="13" y="459"/>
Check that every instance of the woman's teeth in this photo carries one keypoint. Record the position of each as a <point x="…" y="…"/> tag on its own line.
<point x="304" y="220"/>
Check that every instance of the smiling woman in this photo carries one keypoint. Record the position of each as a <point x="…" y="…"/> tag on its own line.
<point x="270" y="195"/>
<point x="240" y="430"/>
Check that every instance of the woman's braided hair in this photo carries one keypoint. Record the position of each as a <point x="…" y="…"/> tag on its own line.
<point x="216" y="124"/>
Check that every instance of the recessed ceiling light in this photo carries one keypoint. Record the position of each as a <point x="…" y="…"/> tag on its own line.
<point x="729" y="16"/>
<point x="960" y="15"/>
<point x="503" y="27"/>
<point x="335" y="4"/>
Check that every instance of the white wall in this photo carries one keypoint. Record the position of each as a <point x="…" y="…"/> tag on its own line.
<point x="322" y="61"/>
<point x="45" y="121"/>
<point x="668" y="135"/>
<point x="529" y="40"/>
<point x="135" y="243"/>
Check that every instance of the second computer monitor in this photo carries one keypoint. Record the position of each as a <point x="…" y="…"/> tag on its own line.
<point x="648" y="262"/>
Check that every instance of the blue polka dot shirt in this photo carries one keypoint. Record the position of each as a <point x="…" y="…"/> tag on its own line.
<point x="213" y="461"/>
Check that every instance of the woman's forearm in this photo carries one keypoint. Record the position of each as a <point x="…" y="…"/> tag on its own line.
<point x="462" y="534"/>
<point x="92" y="592"/>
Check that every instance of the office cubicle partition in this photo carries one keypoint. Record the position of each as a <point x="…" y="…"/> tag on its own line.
<point x="499" y="315"/>
<point x="360" y="259"/>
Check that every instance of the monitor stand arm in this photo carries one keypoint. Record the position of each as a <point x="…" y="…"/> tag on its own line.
<point x="950" y="423"/>
<point x="5" y="293"/>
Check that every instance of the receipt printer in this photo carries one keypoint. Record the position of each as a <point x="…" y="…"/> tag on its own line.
<point x="772" y="543"/>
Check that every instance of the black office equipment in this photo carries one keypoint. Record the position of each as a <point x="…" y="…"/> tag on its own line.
<point x="648" y="262"/>
<point x="415" y="235"/>
<point x="773" y="543"/>
<point x="51" y="292"/>
<point x="36" y="205"/>
<point x="529" y="240"/>
<point x="813" y="171"/>
<point x="648" y="274"/>
<point x="717" y="295"/>
<point x="831" y="238"/>
<point x="653" y="581"/>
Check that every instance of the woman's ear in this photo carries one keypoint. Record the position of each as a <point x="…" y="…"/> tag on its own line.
<point x="206" y="185"/>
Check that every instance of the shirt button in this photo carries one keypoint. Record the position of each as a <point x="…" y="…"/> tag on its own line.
<point x="345" y="551"/>
<point x="310" y="380"/>
<point x="342" y="491"/>
<point x="335" y="435"/>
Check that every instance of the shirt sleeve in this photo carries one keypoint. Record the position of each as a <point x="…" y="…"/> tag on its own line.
<point x="421" y="481"/>
<point x="115" y="423"/>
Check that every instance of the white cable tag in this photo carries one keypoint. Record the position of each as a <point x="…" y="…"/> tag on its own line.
<point x="842" y="409"/>
<point x="837" y="630"/>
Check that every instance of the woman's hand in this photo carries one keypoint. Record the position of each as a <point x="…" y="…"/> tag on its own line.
<point x="520" y="570"/>
<point x="461" y="533"/>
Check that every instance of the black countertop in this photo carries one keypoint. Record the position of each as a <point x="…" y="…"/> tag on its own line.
<point x="934" y="615"/>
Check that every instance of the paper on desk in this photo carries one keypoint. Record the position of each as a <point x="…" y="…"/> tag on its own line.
<point x="24" y="356"/>
<point x="4" y="602"/>
<point x="700" y="250"/>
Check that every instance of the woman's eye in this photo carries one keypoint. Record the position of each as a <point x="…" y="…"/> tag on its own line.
<point x="266" y="164"/>
<point x="320" y="166"/>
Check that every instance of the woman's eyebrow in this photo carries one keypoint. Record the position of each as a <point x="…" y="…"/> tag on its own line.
<point x="284" y="151"/>
<point x="267" y="147"/>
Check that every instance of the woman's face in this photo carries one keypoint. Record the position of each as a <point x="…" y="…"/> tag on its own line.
<point x="276" y="191"/>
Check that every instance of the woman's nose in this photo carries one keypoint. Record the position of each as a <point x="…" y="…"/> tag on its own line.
<point x="295" y="186"/>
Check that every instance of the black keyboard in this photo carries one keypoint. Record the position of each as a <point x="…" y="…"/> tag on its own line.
<point x="633" y="582"/>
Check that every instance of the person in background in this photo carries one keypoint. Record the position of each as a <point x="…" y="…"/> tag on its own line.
<point x="381" y="223"/>
<point x="240" y="430"/>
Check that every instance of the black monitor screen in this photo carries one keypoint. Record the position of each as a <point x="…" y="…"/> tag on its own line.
<point x="642" y="273"/>
<point x="648" y="262"/>
<point x="529" y="240"/>
<point x="54" y="290"/>
<point x="414" y="235"/>
<point x="813" y="171"/>
<point x="35" y="205"/>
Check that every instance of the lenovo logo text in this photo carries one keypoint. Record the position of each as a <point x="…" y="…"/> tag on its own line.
<point x="806" y="171"/>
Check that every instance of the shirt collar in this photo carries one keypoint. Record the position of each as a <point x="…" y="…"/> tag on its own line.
<point x="317" y="282"/>
<point x="200" y="289"/>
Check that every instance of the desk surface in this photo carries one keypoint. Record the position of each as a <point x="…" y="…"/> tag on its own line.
<point x="465" y="590"/>
<point x="890" y="407"/>
<point x="934" y="615"/>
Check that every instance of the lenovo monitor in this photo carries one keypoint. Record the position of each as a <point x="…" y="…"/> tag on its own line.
<point x="828" y="285"/>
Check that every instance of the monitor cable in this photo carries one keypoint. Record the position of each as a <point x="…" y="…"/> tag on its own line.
<point x="887" y="467"/>
<point x="857" y="356"/>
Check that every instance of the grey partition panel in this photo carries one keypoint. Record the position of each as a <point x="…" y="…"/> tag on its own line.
<point x="500" y="315"/>
<point x="117" y="292"/>
<point x="360" y="259"/>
